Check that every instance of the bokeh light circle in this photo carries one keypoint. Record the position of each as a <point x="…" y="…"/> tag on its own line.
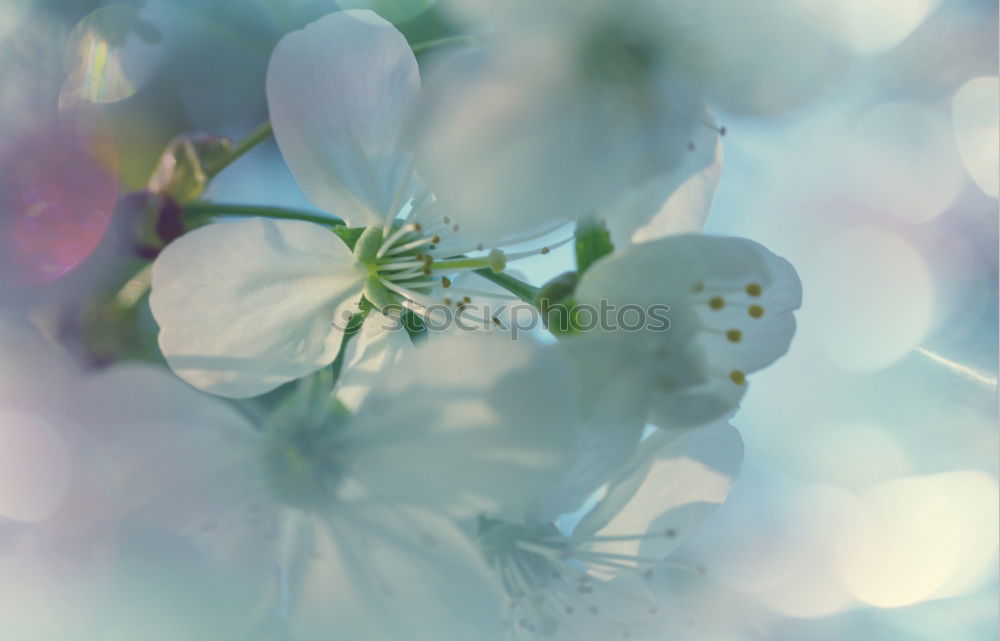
<point x="869" y="299"/>
<point x="906" y="162"/>
<point x="111" y="54"/>
<point x="867" y="26"/>
<point x="975" y="111"/>
<point x="57" y="200"/>
<point x="917" y="534"/>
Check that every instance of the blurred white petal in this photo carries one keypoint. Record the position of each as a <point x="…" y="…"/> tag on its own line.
<point x="369" y="357"/>
<point x="467" y="424"/>
<point x="384" y="572"/>
<point x="675" y="202"/>
<point x="675" y="483"/>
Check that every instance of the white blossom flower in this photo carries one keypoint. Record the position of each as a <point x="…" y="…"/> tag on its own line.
<point x="731" y="304"/>
<point x="566" y="110"/>
<point x="246" y="306"/>
<point x="589" y="584"/>
<point x="326" y="523"/>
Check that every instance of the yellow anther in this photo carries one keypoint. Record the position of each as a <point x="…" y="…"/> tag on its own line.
<point x="445" y="282"/>
<point x="545" y="250"/>
<point x="734" y="335"/>
<point x="756" y="311"/>
<point x="717" y="303"/>
<point x="737" y="377"/>
<point x="753" y="289"/>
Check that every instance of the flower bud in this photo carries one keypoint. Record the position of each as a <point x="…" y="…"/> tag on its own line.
<point x="185" y="166"/>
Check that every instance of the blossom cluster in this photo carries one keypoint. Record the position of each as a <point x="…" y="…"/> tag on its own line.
<point x="313" y="463"/>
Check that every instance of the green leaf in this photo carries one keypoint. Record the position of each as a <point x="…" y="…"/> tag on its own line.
<point x="592" y="242"/>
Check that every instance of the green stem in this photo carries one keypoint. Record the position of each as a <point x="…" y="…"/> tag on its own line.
<point x="201" y="208"/>
<point x="524" y="291"/>
<point x="248" y="142"/>
<point x="420" y="47"/>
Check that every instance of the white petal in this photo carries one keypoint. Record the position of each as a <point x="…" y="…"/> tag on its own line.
<point x="369" y="357"/>
<point x="382" y="572"/>
<point x="338" y="92"/>
<point x="675" y="202"/>
<point x="246" y="306"/>
<point x="467" y="424"/>
<point x="675" y="482"/>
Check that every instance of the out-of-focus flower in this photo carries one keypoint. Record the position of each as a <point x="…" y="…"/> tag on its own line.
<point x="730" y="313"/>
<point x="590" y="584"/>
<point x="568" y="107"/>
<point x="248" y="305"/>
<point x="328" y="522"/>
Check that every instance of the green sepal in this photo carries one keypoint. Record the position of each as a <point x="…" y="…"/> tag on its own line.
<point x="556" y="304"/>
<point x="379" y="296"/>
<point x="349" y="235"/>
<point x="593" y="241"/>
<point x="367" y="245"/>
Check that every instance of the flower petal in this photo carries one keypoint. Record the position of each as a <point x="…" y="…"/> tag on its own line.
<point x="246" y="306"/>
<point x="338" y="92"/>
<point x="674" y="202"/>
<point x="179" y="461"/>
<point x="163" y="528"/>
<point x="380" y="343"/>
<point x="674" y="483"/>
<point x="383" y="572"/>
<point x="467" y="424"/>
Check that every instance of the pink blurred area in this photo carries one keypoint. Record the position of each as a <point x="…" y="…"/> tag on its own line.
<point x="57" y="197"/>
